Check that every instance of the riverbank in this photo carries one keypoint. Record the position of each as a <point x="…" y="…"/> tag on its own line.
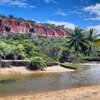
<point x="23" y="70"/>
<point x="81" y="93"/>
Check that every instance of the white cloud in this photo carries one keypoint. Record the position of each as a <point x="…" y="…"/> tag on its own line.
<point x="50" y="1"/>
<point x="67" y="12"/>
<point x="18" y="3"/>
<point x="75" y="12"/>
<point x="61" y="12"/>
<point x="97" y="27"/>
<point x="67" y="24"/>
<point x="96" y="18"/>
<point x="93" y="10"/>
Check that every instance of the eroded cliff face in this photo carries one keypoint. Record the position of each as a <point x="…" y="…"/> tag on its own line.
<point x="40" y="29"/>
<point x="25" y="26"/>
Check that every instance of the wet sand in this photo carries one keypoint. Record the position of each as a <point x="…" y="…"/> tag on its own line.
<point x="23" y="70"/>
<point x="82" y="93"/>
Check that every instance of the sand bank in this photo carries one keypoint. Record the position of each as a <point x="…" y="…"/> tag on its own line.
<point x="23" y="70"/>
<point x="82" y="93"/>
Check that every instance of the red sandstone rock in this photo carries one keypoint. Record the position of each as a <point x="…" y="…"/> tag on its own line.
<point x="41" y="30"/>
<point x="24" y="27"/>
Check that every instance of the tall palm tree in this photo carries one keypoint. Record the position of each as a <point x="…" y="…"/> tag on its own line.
<point x="77" y="40"/>
<point x="92" y="38"/>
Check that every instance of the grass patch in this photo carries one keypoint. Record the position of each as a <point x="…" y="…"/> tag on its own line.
<point x="87" y="58"/>
<point x="70" y="66"/>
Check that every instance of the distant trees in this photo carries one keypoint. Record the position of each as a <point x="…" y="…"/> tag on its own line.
<point x="48" y="26"/>
<point x="31" y="22"/>
<point x="11" y="16"/>
<point x="7" y="17"/>
<point x="3" y="16"/>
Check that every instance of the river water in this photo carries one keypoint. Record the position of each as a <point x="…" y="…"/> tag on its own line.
<point x="18" y="84"/>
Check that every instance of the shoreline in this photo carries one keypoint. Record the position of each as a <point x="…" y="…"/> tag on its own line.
<point x="77" y="93"/>
<point x="85" y="63"/>
<point x="23" y="70"/>
<point x="80" y="93"/>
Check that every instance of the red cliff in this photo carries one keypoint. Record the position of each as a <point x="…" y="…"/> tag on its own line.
<point x="25" y="26"/>
<point x="40" y="29"/>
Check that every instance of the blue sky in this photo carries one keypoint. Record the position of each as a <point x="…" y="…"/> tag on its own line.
<point x="83" y="13"/>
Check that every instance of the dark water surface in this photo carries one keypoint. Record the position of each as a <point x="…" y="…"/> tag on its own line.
<point x="17" y="84"/>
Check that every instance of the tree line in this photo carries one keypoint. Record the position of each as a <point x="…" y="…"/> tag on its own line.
<point x="79" y="44"/>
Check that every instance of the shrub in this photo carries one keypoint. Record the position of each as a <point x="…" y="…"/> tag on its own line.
<point x="37" y="64"/>
<point x="5" y="64"/>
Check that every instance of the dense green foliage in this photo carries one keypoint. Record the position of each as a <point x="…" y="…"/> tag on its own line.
<point x="78" y="45"/>
<point x="27" y="46"/>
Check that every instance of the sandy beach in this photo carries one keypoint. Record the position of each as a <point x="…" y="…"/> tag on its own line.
<point x="23" y="70"/>
<point x="82" y="93"/>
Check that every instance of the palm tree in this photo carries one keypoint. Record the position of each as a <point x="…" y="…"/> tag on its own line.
<point x="77" y="40"/>
<point x="37" y="63"/>
<point x="92" y="38"/>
